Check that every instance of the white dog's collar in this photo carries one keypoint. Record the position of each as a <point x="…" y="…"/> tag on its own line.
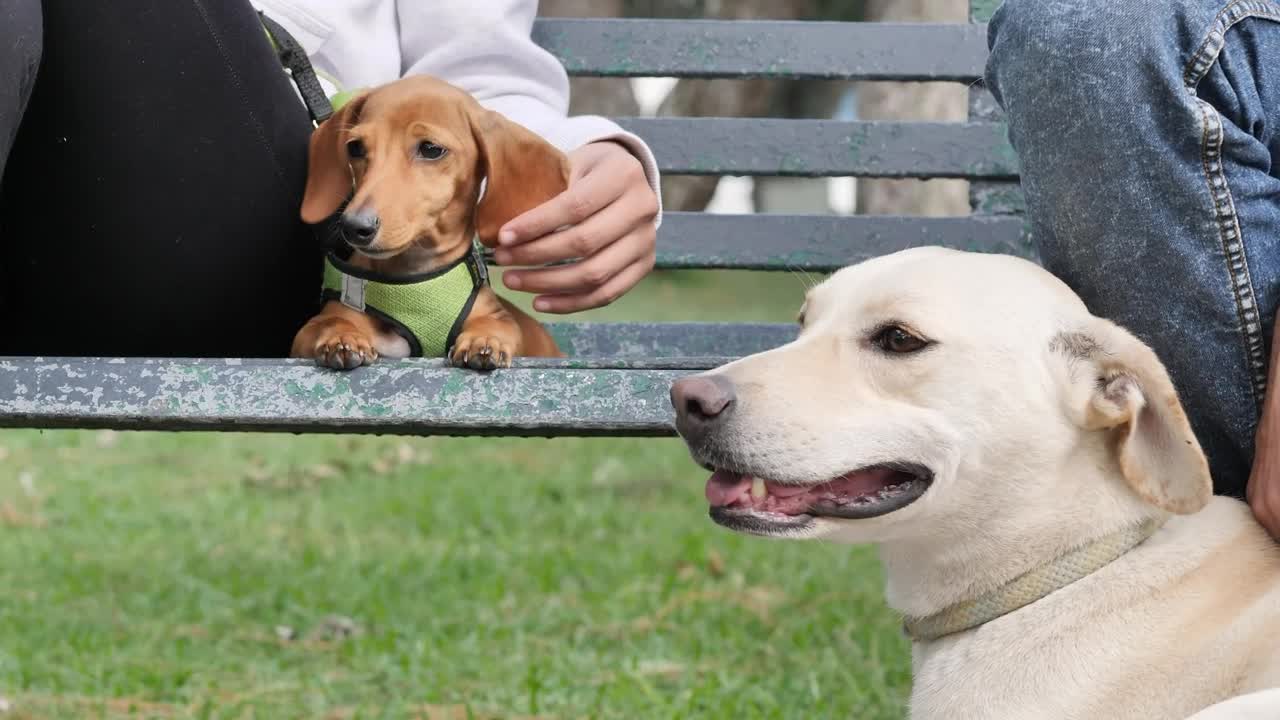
<point x="1032" y="585"/>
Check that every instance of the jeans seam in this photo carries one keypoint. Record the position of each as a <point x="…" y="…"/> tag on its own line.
<point x="1225" y="216"/>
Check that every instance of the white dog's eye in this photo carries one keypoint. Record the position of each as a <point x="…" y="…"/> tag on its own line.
<point x="895" y="339"/>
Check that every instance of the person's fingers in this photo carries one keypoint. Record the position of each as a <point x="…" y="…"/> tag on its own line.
<point x="1263" y="494"/>
<point x="584" y="198"/>
<point x="601" y="296"/>
<point x="632" y="210"/>
<point x="1267" y="510"/>
<point x="587" y="274"/>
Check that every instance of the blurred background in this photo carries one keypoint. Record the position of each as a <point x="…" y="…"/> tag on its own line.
<point x="785" y="99"/>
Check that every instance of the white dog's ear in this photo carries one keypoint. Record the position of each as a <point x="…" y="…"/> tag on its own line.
<point x="1131" y="396"/>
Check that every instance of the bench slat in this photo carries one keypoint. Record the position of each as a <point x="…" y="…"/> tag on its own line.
<point x="671" y="341"/>
<point x="813" y="148"/>
<point x="419" y="397"/>
<point x="729" y="49"/>
<point x="822" y="243"/>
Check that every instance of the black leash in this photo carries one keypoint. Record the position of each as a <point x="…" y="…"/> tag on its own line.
<point x="295" y="60"/>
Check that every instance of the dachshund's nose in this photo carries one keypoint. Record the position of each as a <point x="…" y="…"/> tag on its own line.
<point x="701" y="402"/>
<point x="360" y="227"/>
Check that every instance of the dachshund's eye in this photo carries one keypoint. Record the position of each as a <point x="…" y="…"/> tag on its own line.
<point x="428" y="150"/>
<point x="895" y="339"/>
<point x="356" y="150"/>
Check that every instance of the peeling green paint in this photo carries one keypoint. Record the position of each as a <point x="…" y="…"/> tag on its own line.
<point x="792" y="164"/>
<point x="998" y="199"/>
<point x="340" y="386"/>
<point x="453" y="386"/>
<point x="980" y="11"/>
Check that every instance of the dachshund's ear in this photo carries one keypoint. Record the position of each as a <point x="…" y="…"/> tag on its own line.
<point x="521" y="170"/>
<point x="328" y="172"/>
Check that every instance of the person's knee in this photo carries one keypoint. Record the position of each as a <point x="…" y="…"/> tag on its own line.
<point x="1079" y="51"/>
<point x="21" y="44"/>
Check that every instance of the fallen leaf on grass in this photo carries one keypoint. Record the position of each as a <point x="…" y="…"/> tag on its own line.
<point x="291" y="478"/>
<point x="759" y="601"/>
<point x="13" y="517"/>
<point x="198" y="632"/>
<point x="462" y="712"/>
<point x="408" y="456"/>
<point x="257" y="474"/>
<point x="664" y="669"/>
<point x="27" y="481"/>
<point x="660" y="668"/>
<point x="715" y="567"/>
<point x="38" y="706"/>
<point x="337" y="627"/>
<point x="325" y="635"/>
<point x="425" y="712"/>
<point x="715" y="564"/>
<point x="607" y="471"/>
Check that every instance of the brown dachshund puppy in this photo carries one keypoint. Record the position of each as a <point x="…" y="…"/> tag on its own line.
<point x="408" y="159"/>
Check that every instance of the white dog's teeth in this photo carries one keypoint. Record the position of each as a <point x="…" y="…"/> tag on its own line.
<point x="758" y="489"/>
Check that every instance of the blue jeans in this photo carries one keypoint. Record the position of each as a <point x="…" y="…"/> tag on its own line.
<point x="1149" y="137"/>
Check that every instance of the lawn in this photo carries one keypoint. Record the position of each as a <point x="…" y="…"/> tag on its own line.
<point x="273" y="576"/>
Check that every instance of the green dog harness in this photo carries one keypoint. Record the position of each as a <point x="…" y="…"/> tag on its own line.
<point x="427" y="309"/>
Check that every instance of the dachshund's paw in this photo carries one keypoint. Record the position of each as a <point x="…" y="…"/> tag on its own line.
<point x="344" y="351"/>
<point x="481" y="352"/>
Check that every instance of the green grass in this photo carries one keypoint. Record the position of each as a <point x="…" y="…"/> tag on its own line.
<point x="272" y="576"/>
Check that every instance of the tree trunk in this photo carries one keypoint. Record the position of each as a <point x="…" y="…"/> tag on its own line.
<point x="753" y="97"/>
<point x="611" y="97"/>
<point x="913" y="101"/>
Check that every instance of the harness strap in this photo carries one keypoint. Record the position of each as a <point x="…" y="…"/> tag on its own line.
<point x="428" y="309"/>
<point x="294" y="58"/>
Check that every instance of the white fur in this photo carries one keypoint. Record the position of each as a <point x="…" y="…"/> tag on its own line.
<point x="1038" y="441"/>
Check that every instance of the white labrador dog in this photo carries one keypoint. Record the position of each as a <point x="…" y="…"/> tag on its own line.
<point x="1042" y="508"/>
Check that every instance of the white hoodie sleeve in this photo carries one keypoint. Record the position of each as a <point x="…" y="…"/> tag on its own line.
<point x="485" y="48"/>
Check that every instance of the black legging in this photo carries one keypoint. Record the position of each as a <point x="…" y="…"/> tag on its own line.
<point x="149" y="204"/>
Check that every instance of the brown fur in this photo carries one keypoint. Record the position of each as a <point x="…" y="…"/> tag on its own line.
<point x="429" y="210"/>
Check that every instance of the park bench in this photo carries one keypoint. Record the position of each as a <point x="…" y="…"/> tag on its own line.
<point x="616" y="380"/>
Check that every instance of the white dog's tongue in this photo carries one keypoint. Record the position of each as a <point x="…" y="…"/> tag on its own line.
<point x="724" y="488"/>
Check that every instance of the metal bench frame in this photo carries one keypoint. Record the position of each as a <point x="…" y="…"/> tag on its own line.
<point x="617" y="380"/>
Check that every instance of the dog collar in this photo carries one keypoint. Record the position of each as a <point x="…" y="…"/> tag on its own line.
<point x="427" y="309"/>
<point x="1031" y="586"/>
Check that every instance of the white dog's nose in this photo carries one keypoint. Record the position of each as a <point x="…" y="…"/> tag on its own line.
<point x="701" y="401"/>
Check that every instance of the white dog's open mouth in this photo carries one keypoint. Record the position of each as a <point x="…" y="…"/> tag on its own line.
<point x="742" y="501"/>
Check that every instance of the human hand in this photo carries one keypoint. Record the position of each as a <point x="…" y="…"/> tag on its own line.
<point x="1263" y="492"/>
<point x="603" y="222"/>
